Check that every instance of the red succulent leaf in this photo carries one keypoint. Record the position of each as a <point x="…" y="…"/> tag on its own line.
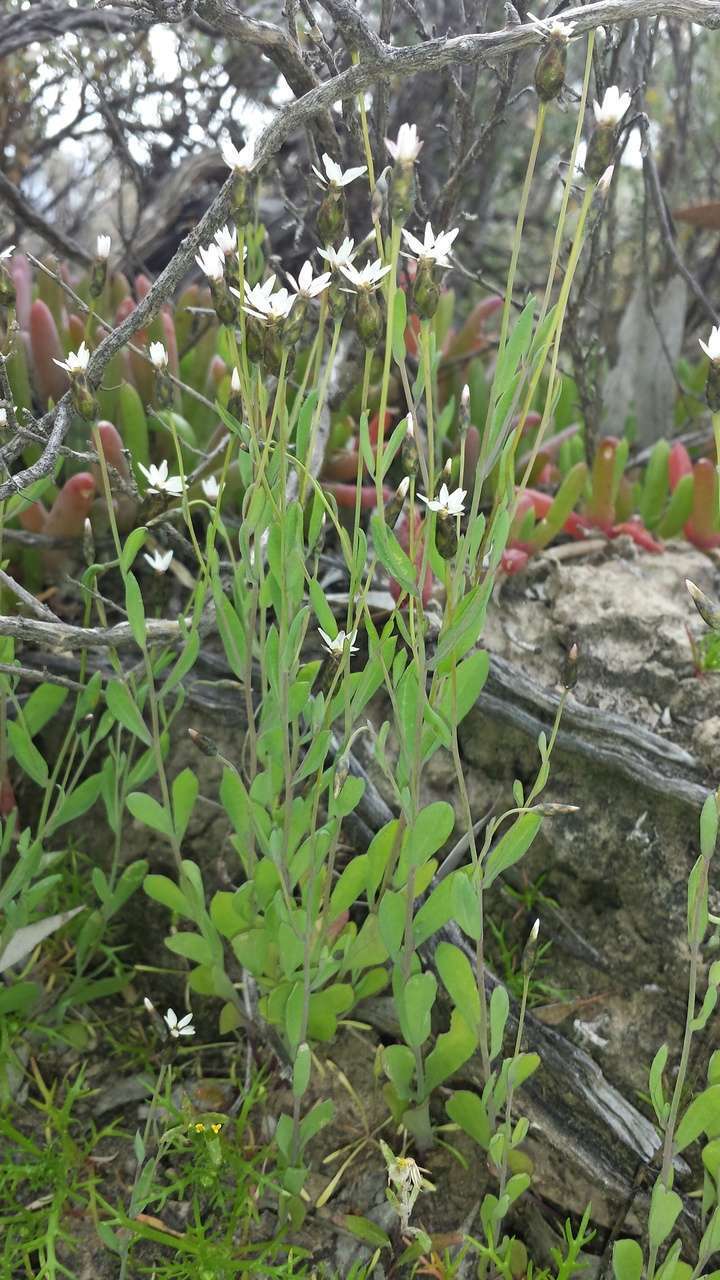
<point x="113" y="450"/>
<point x="51" y="381"/>
<point x="374" y="425"/>
<point x="639" y="534"/>
<point x="342" y="465"/>
<point x="21" y="273"/>
<point x="143" y="285"/>
<point x="34" y="517"/>
<point x="76" y="332"/>
<point x="7" y="796"/>
<point x="344" y="495"/>
<point x="470" y="340"/>
<point x="71" y="507"/>
<point x="679" y="464"/>
<point x="514" y="559"/>
<point x="702" y="527"/>
<point x="600" y="510"/>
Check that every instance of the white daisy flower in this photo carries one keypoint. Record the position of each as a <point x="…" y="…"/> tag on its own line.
<point x="102" y="248"/>
<point x="334" y="176"/>
<point x="263" y="304"/>
<point x="368" y="277"/>
<point x="211" y="262"/>
<point x="434" y="248"/>
<point x="407" y="147"/>
<point x="712" y="346"/>
<point x="554" y="27"/>
<point x="159" y="560"/>
<point x="449" y="504"/>
<point x="336" y="647"/>
<point x="336" y="257"/>
<point x="177" y="1028"/>
<point x="159" y="481"/>
<point x="158" y="355"/>
<point x="306" y="286"/>
<point x="7" y="253"/>
<point x="77" y="361"/>
<point x="211" y="488"/>
<point x="226" y="240"/>
<point x="239" y="161"/>
<point x="613" y="107"/>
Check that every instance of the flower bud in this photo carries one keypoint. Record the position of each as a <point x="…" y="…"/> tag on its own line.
<point x="368" y="319"/>
<point x="550" y="68"/>
<point x="569" y="672"/>
<point x="464" y="422"/>
<point x="529" y="955"/>
<point x="394" y="505"/>
<point x="707" y="608"/>
<point x="408" y="450"/>
<point x="88" y="543"/>
<point x="203" y="743"/>
<point x="235" y="404"/>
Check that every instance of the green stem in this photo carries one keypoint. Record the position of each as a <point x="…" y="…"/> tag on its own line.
<point x="387" y="361"/>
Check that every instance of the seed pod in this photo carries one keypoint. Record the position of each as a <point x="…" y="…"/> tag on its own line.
<point x="331" y="216"/>
<point x="202" y="742"/>
<point x="394" y="505"/>
<point x="368" y="319"/>
<point x="550" y="68"/>
<point x="254" y="339"/>
<point x="529" y="955"/>
<point x="569" y="673"/>
<point x="601" y="151"/>
<point x="425" y="291"/>
<point x="446" y="539"/>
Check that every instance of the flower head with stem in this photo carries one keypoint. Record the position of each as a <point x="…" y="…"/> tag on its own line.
<point x="239" y="161"/>
<point x="77" y="361"/>
<point x="211" y="488"/>
<point x="159" y="560"/>
<point x="407" y="146"/>
<point x="265" y="303"/>
<point x="226" y="240"/>
<point x="405" y="1182"/>
<point x="446" y="503"/>
<point x="102" y="247"/>
<point x="334" y="175"/>
<point x="211" y="261"/>
<point x="433" y="249"/>
<point x="611" y="110"/>
<point x="159" y="481"/>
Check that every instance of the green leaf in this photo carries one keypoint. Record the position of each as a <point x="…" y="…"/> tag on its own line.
<point x="294" y="1015"/>
<point x="467" y="1110"/>
<point x="499" y="1010"/>
<point x="709" y="826"/>
<point x="133" y="544"/>
<point x="320" y="1116"/>
<point x="133" y="427"/>
<point x="627" y="1260"/>
<point x="120" y="702"/>
<point x="657" y="1093"/>
<point x="164" y="890"/>
<point x="301" y="1071"/>
<point x="147" y="810"/>
<point x="417" y="1000"/>
<point x="321" y="608"/>
<point x="451" y="1050"/>
<point x="701" y="1117"/>
<point x="191" y="946"/>
<point x="184" y="795"/>
<point x="665" y="1207"/>
<point x="77" y="802"/>
<point x="511" y="847"/>
<point x="187" y="660"/>
<point x="369" y="1232"/>
<point x="392" y="557"/>
<point x="351" y="882"/>
<point x="135" y="609"/>
<point x="391" y="921"/>
<point x="42" y="706"/>
<point x="26" y="753"/>
<point x="428" y="833"/>
<point x="459" y="981"/>
<point x="437" y="909"/>
<point x="517" y="346"/>
<point x="399" y="1064"/>
<point x="466" y="907"/>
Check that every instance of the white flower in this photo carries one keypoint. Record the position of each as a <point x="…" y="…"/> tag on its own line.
<point x="77" y="361"/>
<point x="369" y="277"/>
<point x="404" y="1173"/>
<point x="712" y="346"/>
<point x="336" y="647"/>
<point x="235" y="381"/>
<point x="407" y="147"/>
<point x="336" y="257"/>
<point x="148" y="1004"/>
<point x="182" y="1028"/>
<point x="102" y="248"/>
<point x="211" y="262"/>
<point x="263" y="304"/>
<point x="434" y="248"/>
<point x="450" y="504"/>
<point x="306" y="286"/>
<point x="554" y="27"/>
<point x="158" y="355"/>
<point x="211" y="488"/>
<point x="159" y="481"/>
<point x="226" y="240"/>
<point x="6" y="253"/>
<point x="238" y="161"/>
<point x="4" y="414"/>
<point x="613" y="108"/>
<point x="334" y="176"/>
<point x="603" y="182"/>
<point x="159" y="560"/>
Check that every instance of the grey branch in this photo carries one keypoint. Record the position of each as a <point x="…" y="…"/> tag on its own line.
<point x="62" y="244"/>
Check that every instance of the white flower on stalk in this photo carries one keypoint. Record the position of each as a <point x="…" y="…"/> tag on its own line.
<point x="613" y="106"/>
<point x="158" y="356"/>
<point x="211" y="262"/>
<point x="368" y="277"/>
<point x="211" y="488"/>
<point x="226" y="240"/>
<point x="335" y="258"/>
<point x="712" y="346"/>
<point x="159" y="560"/>
<point x="263" y="304"/>
<point x="449" y="504"/>
<point x="159" y="481"/>
<point x="407" y="146"/>
<point x="406" y="1176"/>
<point x="7" y="253"/>
<point x="336" y="647"/>
<point x="77" y="361"/>
<point x="434" y="248"/>
<point x="102" y="248"/>
<point x="308" y="286"/>
<point x="334" y="175"/>
<point x="239" y="161"/>
<point x="183" y="1027"/>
